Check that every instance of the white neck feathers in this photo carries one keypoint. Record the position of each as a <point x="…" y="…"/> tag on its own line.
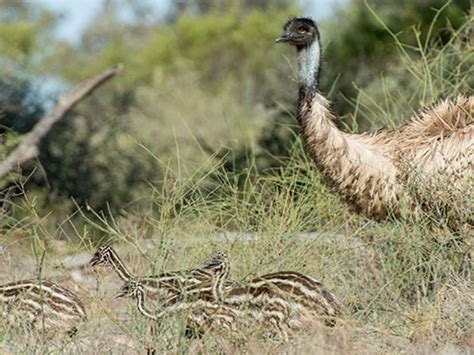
<point x="308" y="62"/>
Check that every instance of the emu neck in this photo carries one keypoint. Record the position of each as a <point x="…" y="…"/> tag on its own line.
<point x="140" y="297"/>
<point x="119" y="267"/>
<point x="354" y="165"/>
<point x="309" y="60"/>
<point x="218" y="285"/>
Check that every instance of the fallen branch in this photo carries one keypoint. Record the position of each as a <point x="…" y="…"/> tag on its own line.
<point x="28" y="149"/>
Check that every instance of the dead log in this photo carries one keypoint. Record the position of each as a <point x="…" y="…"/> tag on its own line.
<point x="29" y="147"/>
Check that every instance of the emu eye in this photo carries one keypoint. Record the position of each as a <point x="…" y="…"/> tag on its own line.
<point x="301" y="30"/>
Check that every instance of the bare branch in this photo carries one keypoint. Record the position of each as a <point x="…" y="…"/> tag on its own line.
<point x="28" y="149"/>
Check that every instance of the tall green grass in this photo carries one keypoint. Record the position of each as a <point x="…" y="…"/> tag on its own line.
<point x="405" y="285"/>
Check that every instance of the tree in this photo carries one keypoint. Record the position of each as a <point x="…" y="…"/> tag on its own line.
<point x="360" y="47"/>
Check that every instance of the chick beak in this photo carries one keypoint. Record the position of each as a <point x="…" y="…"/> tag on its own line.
<point x="93" y="262"/>
<point x="121" y="294"/>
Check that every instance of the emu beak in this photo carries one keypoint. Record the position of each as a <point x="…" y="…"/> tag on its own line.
<point x="285" y="37"/>
<point x="93" y="262"/>
<point x="124" y="291"/>
<point x="120" y="294"/>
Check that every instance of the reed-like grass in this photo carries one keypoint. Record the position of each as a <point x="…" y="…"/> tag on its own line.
<point x="405" y="285"/>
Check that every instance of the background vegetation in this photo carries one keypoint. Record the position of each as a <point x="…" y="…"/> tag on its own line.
<point x="194" y="148"/>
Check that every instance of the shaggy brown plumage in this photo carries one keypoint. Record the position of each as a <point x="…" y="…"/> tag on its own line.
<point x="428" y="161"/>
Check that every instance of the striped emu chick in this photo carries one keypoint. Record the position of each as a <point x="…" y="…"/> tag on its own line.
<point x="107" y="256"/>
<point x="211" y="276"/>
<point x="163" y="285"/>
<point x="217" y="265"/>
<point x="218" y="268"/>
<point x="282" y="303"/>
<point x="43" y="304"/>
<point x="300" y="299"/>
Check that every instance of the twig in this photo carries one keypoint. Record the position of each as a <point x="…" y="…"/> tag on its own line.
<point x="28" y="149"/>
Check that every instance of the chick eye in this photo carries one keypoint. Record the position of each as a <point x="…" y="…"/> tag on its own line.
<point x="301" y="30"/>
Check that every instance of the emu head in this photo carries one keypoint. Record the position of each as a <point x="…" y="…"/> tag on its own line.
<point x="101" y="256"/>
<point x="218" y="262"/>
<point x="299" y="32"/>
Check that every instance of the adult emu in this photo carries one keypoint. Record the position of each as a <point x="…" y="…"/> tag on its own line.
<point x="428" y="161"/>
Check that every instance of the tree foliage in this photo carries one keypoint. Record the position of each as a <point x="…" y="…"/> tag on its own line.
<point x="361" y="46"/>
<point x="204" y="80"/>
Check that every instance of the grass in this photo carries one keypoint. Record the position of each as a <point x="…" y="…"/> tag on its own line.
<point x="405" y="286"/>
